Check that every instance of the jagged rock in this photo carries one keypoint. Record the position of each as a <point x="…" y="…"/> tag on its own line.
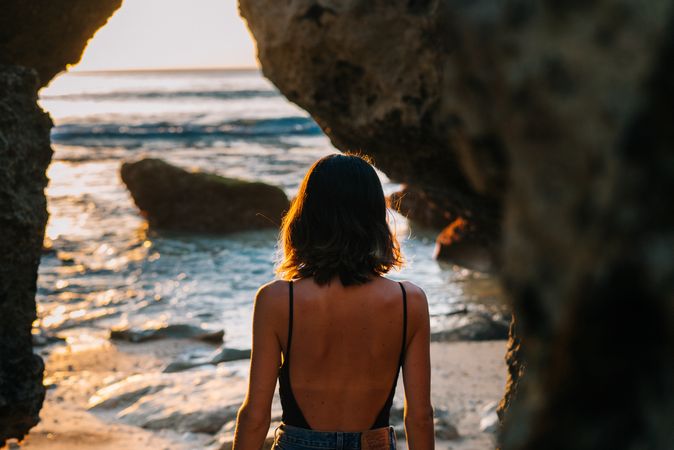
<point x="175" y="331"/>
<point x="444" y="428"/>
<point x="42" y="338"/>
<point x="230" y="354"/>
<point x="158" y="401"/>
<point x="224" y="354"/>
<point x="460" y="243"/>
<point x="473" y="326"/>
<point x="43" y="36"/>
<point x="25" y="153"/>
<point x="422" y="207"/>
<point x="174" y="199"/>
<point x="570" y="102"/>
<point x="47" y="36"/>
<point x="386" y="77"/>
<point x="489" y="418"/>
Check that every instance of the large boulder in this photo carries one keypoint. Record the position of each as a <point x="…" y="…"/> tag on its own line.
<point x="473" y="326"/>
<point x="174" y="199"/>
<point x="25" y="153"/>
<point x="170" y="331"/>
<point x="223" y="354"/>
<point x="461" y="240"/>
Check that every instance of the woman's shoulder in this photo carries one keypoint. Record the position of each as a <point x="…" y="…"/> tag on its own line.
<point x="417" y="303"/>
<point x="412" y="290"/>
<point x="273" y="290"/>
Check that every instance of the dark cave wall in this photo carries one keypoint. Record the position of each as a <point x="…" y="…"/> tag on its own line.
<point x="38" y="39"/>
<point x="25" y="153"/>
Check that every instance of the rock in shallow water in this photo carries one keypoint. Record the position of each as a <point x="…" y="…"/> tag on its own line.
<point x="221" y="355"/>
<point x="459" y="243"/>
<point x="489" y="418"/>
<point x="474" y="327"/>
<point x="174" y="199"/>
<point x="179" y="331"/>
<point x="42" y="338"/>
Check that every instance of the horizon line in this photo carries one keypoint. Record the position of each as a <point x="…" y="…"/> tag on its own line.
<point x="166" y="69"/>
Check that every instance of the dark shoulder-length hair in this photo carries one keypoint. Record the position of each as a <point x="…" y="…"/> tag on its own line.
<point x="337" y="224"/>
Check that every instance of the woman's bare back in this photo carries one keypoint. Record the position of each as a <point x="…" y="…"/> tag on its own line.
<point x="345" y="349"/>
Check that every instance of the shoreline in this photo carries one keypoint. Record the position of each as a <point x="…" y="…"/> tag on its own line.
<point x="466" y="376"/>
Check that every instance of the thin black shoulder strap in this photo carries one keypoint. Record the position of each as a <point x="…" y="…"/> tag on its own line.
<point x="290" y="317"/>
<point x="402" y="349"/>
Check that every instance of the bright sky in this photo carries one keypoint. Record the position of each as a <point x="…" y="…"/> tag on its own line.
<point x="153" y="34"/>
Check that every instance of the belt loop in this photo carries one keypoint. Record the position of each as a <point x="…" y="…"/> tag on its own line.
<point x="340" y="440"/>
<point x="275" y="434"/>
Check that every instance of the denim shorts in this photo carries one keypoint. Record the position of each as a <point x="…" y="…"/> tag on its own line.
<point x="288" y="437"/>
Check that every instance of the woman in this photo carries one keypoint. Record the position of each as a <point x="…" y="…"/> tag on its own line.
<point x="345" y="328"/>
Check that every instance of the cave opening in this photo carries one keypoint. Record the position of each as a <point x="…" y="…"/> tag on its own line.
<point x="102" y="267"/>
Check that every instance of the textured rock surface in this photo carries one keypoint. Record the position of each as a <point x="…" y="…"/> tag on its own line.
<point x="422" y="207"/>
<point x="173" y="199"/>
<point x="157" y="401"/>
<point x="375" y="76"/>
<point x="25" y="153"/>
<point x="572" y="103"/>
<point x="473" y="326"/>
<point x="223" y="354"/>
<point x="44" y="35"/>
<point x="48" y="35"/>
<point x="175" y="331"/>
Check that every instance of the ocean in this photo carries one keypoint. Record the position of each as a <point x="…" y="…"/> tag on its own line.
<point x="106" y="268"/>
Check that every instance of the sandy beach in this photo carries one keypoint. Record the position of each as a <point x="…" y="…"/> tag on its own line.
<point x="109" y="395"/>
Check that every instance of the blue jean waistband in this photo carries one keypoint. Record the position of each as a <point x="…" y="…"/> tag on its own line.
<point x="321" y="439"/>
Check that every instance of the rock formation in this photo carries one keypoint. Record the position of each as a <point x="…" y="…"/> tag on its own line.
<point x="25" y="153"/>
<point x="174" y="199"/>
<point x="49" y="35"/>
<point x="37" y="40"/>
<point x="569" y="106"/>
<point x="170" y="331"/>
<point x="559" y="112"/>
<point x="375" y="76"/>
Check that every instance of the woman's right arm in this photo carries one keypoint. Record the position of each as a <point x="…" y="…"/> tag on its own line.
<point x="417" y="372"/>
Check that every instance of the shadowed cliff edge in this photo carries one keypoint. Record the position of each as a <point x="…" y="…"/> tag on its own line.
<point x="557" y="113"/>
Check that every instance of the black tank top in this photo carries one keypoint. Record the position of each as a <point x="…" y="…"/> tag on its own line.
<point x="292" y="415"/>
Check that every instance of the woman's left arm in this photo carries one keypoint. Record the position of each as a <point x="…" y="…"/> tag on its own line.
<point x="254" y="416"/>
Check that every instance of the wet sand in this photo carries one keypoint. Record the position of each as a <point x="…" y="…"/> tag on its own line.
<point x="466" y="376"/>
